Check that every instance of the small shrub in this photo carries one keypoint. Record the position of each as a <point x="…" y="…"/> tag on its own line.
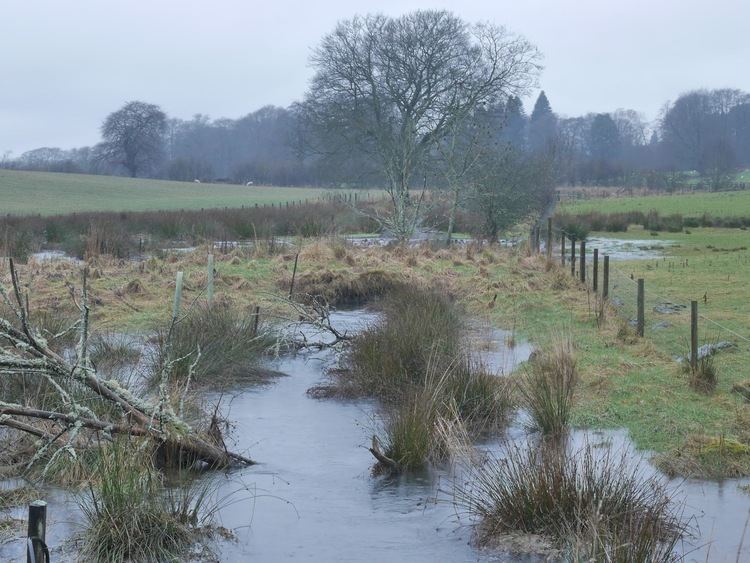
<point x="547" y="388"/>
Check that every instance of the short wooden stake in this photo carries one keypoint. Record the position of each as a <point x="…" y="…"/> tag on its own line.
<point x="177" y="296"/>
<point x="694" y="335"/>
<point x="37" y="532"/>
<point x="256" y="320"/>
<point x="595" y="272"/>
<point x="549" y="238"/>
<point x="605" y="279"/>
<point x="210" y="283"/>
<point x="583" y="262"/>
<point x="572" y="256"/>
<point x="641" y="321"/>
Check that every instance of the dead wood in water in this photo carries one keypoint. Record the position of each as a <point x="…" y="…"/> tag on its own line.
<point x="24" y="352"/>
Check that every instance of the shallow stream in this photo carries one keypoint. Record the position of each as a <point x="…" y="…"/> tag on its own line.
<point x="312" y="497"/>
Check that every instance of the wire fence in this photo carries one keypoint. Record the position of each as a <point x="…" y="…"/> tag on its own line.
<point x="665" y="315"/>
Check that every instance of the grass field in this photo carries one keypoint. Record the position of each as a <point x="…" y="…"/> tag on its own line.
<point x="23" y="193"/>
<point x="654" y="401"/>
<point x="718" y="204"/>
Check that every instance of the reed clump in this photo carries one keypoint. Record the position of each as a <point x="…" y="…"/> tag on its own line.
<point x="213" y="345"/>
<point x="417" y="362"/>
<point x="595" y="504"/>
<point x="130" y="514"/>
<point x="547" y="388"/>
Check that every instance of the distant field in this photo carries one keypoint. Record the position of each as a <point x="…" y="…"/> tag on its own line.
<point x="23" y="193"/>
<point x="719" y="204"/>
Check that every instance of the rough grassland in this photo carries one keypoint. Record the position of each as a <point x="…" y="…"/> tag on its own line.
<point x="46" y="193"/>
<point x="718" y="204"/>
<point x="625" y="382"/>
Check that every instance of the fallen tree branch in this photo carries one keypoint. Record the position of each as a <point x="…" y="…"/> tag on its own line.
<point x="27" y="353"/>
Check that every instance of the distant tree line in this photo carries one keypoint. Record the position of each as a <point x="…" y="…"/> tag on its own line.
<point x="421" y="99"/>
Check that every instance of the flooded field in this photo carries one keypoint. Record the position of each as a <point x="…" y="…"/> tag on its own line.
<point x="312" y="497"/>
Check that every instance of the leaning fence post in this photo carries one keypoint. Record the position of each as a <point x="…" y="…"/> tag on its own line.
<point x="572" y="256"/>
<point x="549" y="238"/>
<point x="641" y="321"/>
<point x="177" y="296"/>
<point x="595" y="272"/>
<point x="210" y="284"/>
<point x="294" y="275"/>
<point x="605" y="280"/>
<point x="583" y="261"/>
<point x="694" y="335"/>
<point x="36" y="548"/>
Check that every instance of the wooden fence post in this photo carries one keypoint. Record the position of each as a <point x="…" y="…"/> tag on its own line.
<point x="694" y="335"/>
<point x="210" y="282"/>
<point x="595" y="276"/>
<point x="538" y="239"/>
<point x="562" y="248"/>
<point x="605" y="280"/>
<point x="641" y="321"/>
<point x="583" y="261"/>
<point x="36" y="548"/>
<point x="549" y="238"/>
<point x="572" y="256"/>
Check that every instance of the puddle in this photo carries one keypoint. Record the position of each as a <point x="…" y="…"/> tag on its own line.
<point x="626" y="249"/>
<point x="312" y="498"/>
<point x="54" y="255"/>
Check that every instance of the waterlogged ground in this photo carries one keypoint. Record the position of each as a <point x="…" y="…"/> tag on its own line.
<point x="629" y="249"/>
<point x="312" y="498"/>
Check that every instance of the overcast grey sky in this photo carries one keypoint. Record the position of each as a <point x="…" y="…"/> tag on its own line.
<point x="66" y="64"/>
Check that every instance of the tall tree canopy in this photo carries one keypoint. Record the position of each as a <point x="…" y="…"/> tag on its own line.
<point x="542" y="125"/>
<point x="394" y="86"/>
<point x="134" y="136"/>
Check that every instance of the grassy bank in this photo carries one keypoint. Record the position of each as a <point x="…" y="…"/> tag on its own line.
<point x="721" y="204"/>
<point x="49" y="193"/>
<point x="623" y="381"/>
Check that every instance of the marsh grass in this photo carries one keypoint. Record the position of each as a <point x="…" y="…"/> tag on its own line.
<point x="219" y="339"/>
<point x="110" y="352"/>
<point x="16" y="496"/>
<point x="704" y="377"/>
<point x="438" y="421"/>
<point x="421" y="332"/>
<point x="417" y="362"/>
<point x="599" y="505"/>
<point x="131" y="516"/>
<point x="547" y="387"/>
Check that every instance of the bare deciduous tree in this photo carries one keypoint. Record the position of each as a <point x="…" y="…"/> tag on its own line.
<point x="394" y="86"/>
<point x="134" y="136"/>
